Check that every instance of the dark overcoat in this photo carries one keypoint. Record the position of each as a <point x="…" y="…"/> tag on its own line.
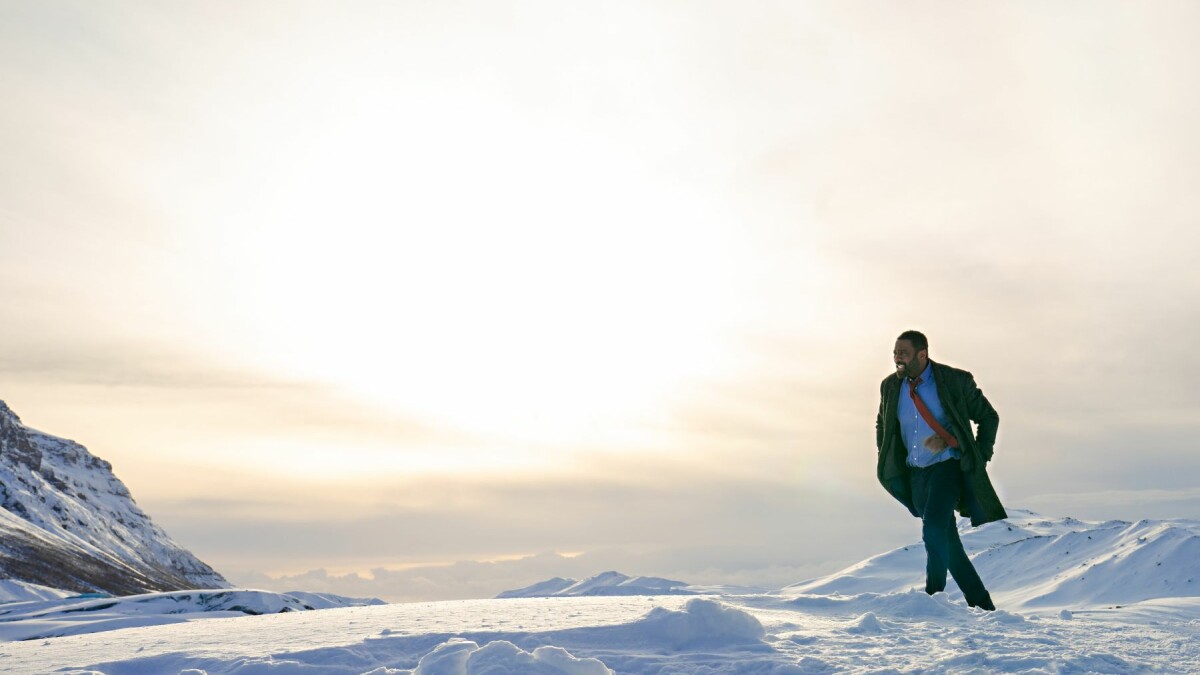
<point x="964" y="403"/>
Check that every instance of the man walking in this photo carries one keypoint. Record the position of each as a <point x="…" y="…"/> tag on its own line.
<point x="930" y="460"/>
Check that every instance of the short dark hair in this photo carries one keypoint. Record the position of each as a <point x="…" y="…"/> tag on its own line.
<point x="916" y="337"/>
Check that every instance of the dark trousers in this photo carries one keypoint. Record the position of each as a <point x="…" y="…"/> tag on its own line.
<point x="936" y="490"/>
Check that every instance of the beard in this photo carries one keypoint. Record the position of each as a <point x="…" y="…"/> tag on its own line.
<point x="902" y="371"/>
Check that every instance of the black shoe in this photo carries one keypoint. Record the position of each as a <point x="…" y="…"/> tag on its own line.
<point x="984" y="603"/>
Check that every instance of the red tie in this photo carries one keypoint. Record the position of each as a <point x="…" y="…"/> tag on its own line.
<point x="929" y="419"/>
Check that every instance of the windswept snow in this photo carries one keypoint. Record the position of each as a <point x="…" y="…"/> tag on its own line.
<point x="870" y="618"/>
<point x="893" y="632"/>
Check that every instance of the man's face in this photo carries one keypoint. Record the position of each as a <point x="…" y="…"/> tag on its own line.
<point x="909" y="362"/>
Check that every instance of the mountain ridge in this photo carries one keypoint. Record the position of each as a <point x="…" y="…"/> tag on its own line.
<point x="67" y="522"/>
<point x="604" y="584"/>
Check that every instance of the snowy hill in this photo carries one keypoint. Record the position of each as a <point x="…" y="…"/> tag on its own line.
<point x="66" y="522"/>
<point x="1031" y="562"/>
<point x="604" y="584"/>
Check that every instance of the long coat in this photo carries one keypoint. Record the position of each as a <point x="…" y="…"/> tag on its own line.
<point x="964" y="403"/>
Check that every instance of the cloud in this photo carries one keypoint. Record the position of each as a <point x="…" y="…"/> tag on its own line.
<point x="1128" y="505"/>
<point x="473" y="579"/>
<point x="682" y="523"/>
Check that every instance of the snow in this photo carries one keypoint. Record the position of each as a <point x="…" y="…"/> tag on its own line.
<point x="500" y="656"/>
<point x="871" y="617"/>
<point x="12" y="590"/>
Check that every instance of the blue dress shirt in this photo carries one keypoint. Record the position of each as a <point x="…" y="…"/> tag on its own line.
<point x="913" y="428"/>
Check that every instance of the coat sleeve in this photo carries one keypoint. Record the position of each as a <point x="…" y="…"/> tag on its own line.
<point x="897" y="486"/>
<point x="981" y="412"/>
<point x="879" y="417"/>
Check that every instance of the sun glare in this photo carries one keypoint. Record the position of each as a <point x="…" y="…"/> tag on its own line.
<point x="507" y="278"/>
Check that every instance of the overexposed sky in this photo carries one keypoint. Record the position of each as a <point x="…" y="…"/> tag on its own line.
<point x="417" y="272"/>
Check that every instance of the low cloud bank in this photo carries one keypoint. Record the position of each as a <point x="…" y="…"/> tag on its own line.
<point x="469" y="579"/>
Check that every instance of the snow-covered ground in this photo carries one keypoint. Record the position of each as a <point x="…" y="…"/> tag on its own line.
<point x="1074" y="597"/>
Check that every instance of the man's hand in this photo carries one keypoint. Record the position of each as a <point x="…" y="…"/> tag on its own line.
<point x="935" y="443"/>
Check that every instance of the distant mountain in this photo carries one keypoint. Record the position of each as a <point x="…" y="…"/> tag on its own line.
<point x="606" y="583"/>
<point x="1031" y="562"/>
<point x="66" y="522"/>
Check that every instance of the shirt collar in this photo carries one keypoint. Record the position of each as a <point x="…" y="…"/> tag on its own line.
<point x="925" y="374"/>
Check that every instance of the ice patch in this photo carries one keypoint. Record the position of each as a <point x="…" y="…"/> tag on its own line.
<point x="463" y="657"/>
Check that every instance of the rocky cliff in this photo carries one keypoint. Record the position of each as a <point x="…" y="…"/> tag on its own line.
<point x="66" y="521"/>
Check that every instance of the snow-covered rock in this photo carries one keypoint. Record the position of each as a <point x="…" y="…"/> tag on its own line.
<point x="67" y="522"/>
<point x="606" y="584"/>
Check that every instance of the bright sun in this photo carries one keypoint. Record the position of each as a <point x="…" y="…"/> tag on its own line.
<point x="509" y="280"/>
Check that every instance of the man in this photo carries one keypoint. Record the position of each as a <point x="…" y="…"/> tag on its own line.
<point x="930" y="460"/>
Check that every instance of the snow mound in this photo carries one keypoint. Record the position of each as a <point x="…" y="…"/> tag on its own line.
<point x="463" y="657"/>
<point x="604" y="584"/>
<point x="867" y="624"/>
<point x="917" y="604"/>
<point x="701" y="622"/>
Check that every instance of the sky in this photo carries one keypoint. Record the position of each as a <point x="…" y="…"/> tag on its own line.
<point x="340" y="287"/>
